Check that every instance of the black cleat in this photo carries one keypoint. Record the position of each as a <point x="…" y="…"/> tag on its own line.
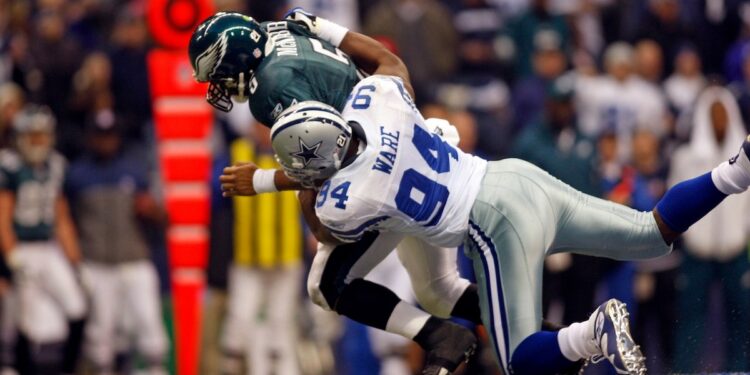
<point x="447" y="345"/>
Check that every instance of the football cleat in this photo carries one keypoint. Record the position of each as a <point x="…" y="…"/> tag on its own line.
<point x="453" y="344"/>
<point x="743" y="156"/>
<point x="612" y="336"/>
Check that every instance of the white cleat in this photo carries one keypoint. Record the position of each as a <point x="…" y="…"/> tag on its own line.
<point x="743" y="156"/>
<point x="612" y="335"/>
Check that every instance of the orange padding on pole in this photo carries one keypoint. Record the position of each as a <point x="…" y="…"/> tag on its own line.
<point x="188" y="204"/>
<point x="188" y="247"/>
<point x="185" y="161"/>
<point x="182" y="118"/>
<point x="187" y="289"/>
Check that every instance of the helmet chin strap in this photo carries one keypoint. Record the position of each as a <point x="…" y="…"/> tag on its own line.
<point x="241" y="97"/>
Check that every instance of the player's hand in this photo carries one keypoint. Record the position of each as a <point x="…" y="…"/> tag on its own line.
<point x="237" y="180"/>
<point x="16" y="265"/>
<point x="74" y="257"/>
<point x="303" y="18"/>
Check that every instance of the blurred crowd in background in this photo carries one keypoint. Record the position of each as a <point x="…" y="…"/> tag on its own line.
<point x="618" y="98"/>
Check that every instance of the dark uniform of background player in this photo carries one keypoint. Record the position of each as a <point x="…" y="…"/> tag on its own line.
<point x="36" y="235"/>
<point x="302" y="67"/>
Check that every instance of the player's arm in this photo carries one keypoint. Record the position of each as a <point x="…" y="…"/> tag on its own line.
<point x="247" y="179"/>
<point x="372" y="57"/>
<point x="369" y="54"/>
<point x="307" y="200"/>
<point x="7" y="234"/>
<point x="65" y="230"/>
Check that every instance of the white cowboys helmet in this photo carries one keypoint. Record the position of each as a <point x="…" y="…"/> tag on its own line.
<point x="310" y="140"/>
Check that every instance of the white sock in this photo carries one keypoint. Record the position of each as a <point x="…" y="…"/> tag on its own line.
<point x="406" y="320"/>
<point x="577" y="340"/>
<point x="732" y="178"/>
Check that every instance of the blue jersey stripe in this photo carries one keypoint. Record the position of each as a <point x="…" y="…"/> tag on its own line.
<point x="358" y="231"/>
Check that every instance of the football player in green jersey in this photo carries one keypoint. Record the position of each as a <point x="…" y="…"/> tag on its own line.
<point x="36" y="236"/>
<point x="276" y="64"/>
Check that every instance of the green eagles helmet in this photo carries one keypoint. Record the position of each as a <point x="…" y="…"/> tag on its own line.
<point x="224" y="50"/>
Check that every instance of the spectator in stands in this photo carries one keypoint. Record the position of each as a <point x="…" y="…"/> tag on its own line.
<point x="554" y="143"/>
<point x="130" y="85"/>
<point x="91" y="94"/>
<point x="109" y="192"/>
<point x="38" y="238"/>
<point x="715" y="25"/>
<point x="683" y="86"/>
<point x="477" y="22"/>
<point x="529" y="93"/>
<point x="424" y="35"/>
<point x="12" y="100"/>
<point x="54" y="58"/>
<point x="741" y="89"/>
<point x="620" y="101"/>
<point x="662" y="22"/>
<point x="523" y="32"/>
<point x="715" y="247"/>
<point x="649" y="61"/>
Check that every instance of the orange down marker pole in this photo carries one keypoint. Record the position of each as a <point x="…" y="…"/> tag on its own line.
<point x="182" y="121"/>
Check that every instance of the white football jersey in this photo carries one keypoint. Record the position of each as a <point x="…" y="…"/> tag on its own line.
<point x="406" y="180"/>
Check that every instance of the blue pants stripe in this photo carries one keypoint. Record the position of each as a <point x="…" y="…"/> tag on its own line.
<point x="495" y="299"/>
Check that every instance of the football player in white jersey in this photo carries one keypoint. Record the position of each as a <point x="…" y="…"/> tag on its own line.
<point x="337" y="280"/>
<point x="377" y="169"/>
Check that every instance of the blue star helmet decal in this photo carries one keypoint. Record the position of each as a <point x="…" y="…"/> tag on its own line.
<point x="308" y="153"/>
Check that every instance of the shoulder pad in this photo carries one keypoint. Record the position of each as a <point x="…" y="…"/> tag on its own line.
<point x="10" y="160"/>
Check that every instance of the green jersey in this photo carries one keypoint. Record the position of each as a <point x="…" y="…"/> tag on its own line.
<point x="36" y="190"/>
<point x="299" y="67"/>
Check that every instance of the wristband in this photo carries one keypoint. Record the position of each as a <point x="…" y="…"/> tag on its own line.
<point x="330" y="32"/>
<point x="263" y="181"/>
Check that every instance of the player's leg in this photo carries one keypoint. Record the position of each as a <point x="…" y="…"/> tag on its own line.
<point x="8" y="331"/>
<point x="688" y="201"/>
<point x="336" y="282"/>
<point x="243" y="303"/>
<point x="513" y="223"/>
<point x="508" y="262"/>
<point x="62" y="284"/>
<point x="281" y="315"/>
<point x="141" y="286"/>
<point x="437" y="285"/>
<point x="99" y="343"/>
<point x="391" y="349"/>
<point x="41" y="320"/>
